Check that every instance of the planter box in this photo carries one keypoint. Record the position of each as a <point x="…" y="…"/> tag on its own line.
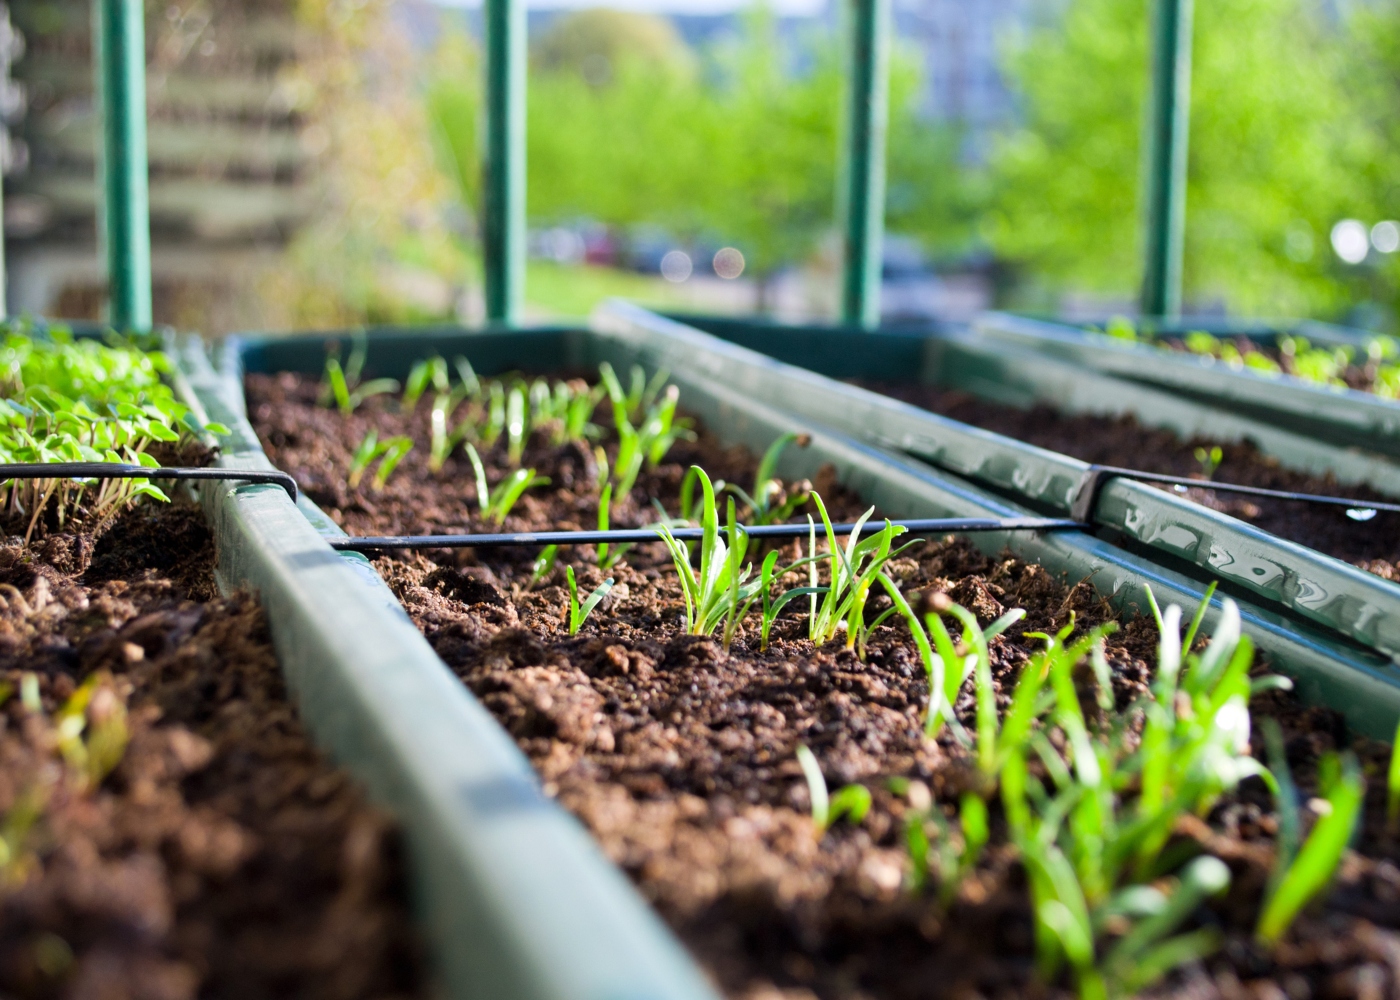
<point x="1301" y="583"/>
<point x="516" y="900"/>
<point x="1342" y="417"/>
<point x="733" y="390"/>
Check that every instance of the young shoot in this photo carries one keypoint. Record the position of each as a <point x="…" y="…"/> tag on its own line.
<point x="1392" y="790"/>
<point x="1209" y="460"/>
<point x="769" y="503"/>
<point x="1343" y="794"/>
<point x="608" y="555"/>
<point x="496" y="504"/>
<point x="543" y="565"/>
<point x="852" y="801"/>
<point x="343" y="386"/>
<point x="720" y="591"/>
<point x="578" y="613"/>
<point x="394" y="451"/>
<point x="517" y="430"/>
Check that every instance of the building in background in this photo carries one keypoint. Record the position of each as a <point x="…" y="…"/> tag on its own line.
<point x="226" y="158"/>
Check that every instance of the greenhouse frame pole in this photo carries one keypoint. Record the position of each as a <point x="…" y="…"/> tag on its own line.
<point x="503" y="201"/>
<point x="120" y="37"/>
<point x="867" y="119"/>
<point x="1169" y="132"/>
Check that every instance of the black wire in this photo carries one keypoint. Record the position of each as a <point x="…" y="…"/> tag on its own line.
<point x="625" y="535"/>
<point x="1097" y="476"/>
<point x="122" y="470"/>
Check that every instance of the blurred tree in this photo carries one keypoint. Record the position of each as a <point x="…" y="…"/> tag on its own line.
<point x="1273" y="155"/>
<point x="593" y="43"/>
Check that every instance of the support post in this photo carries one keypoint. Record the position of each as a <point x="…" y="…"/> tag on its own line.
<point x="1168" y="133"/>
<point x="863" y="187"/>
<point x="120" y="38"/>
<point x="503" y="199"/>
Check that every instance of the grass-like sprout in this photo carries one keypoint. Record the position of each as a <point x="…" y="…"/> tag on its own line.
<point x="1309" y="872"/>
<point x="1392" y="786"/>
<point x="608" y="555"/>
<point x="442" y="441"/>
<point x="495" y="414"/>
<point x="578" y="613"/>
<point x="1209" y="460"/>
<point x="852" y="801"/>
<point x="543" y="565"/>
<point x="517" y="430"/>
<point x="367" y="451"/>
<point x="720" y="591"/>
<point x="342" y="385"/>
<point x="767" y="501"/>
<point x="773" y="606"/>
<point x="949" y="853"/>
<point x="658" y="431"/>
<point x="852" y="572"/>
<point x="428" y="372"/>
<point x="394" y="451"/>
<point x="496" y="505"/>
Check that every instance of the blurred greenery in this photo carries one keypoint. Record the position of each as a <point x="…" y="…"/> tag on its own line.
<point x="1292" y="129"/>
<point x="1273" y="153"/>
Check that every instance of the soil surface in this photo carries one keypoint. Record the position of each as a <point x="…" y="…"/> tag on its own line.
<point x="679" y="755"/>
<point x="223" y="857"/>
<point x="1373" y="545"/>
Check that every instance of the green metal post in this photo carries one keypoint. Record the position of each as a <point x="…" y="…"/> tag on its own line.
<point x="1169" y="131"/>
<point x="120" y="38"/>
<point x="863" y="188"/>
<point x="503" y="200"/>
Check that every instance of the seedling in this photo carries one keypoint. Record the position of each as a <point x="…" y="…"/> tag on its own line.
<point x="951" y="853"/>
<point x="1343" y="793"/>
<point x="659" y="428"/>
<point x="578" y="613"/>
<point x="768" y="502"/>
<point x="395" y="450"/>
<point x="343" y="386"/>
<point x="543" y="565"/>
<point x="516" y="428"/>
<point x="1392" y="797"/>
<point x="852" y="801"/>
<point x="496" y="505"/>
<point x="719" y="591"/>
<point x="431" y="371"/>
<point x="772" y="607"/>
<point x="1209" y="460"/>
<point x="608" y="555"/>
<point x="368" y="450"/>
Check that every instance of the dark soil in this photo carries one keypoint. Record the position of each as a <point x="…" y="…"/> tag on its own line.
<point x="679" y="755"/>
<point x="1373" y="545"/>
<point x="223" y="857"/>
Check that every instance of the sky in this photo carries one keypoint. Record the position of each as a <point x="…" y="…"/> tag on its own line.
<point x="784" y="8"/>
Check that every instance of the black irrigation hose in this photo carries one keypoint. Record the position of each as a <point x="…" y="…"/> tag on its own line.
<point x="116" y="470"/>
<point x="937" y="525"/>
<point x="1097" y="476"/>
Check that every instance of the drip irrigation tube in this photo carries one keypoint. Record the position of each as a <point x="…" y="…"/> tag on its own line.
<point x="923" y="526"/>
<point x="1086" y="497"/>
<point x="115" y="470"/>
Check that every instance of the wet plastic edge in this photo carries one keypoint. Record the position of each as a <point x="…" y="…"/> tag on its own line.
<point x="516" y="899"/>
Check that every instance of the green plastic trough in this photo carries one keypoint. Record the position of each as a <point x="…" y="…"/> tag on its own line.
<point x="1293" y="579"/>
<point x="748" y="399"/>
<point x="1342" y="417"/>
<point x="516" y="900"/>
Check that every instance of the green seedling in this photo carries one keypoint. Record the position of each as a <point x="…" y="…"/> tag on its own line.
<point x="1343" y="792"/>
<point x="342" y="385"/>
<point x="471" y="385"/>
<point x="543" y="565"/>
<point x="719" y="592"/>
<point x="443" y="442"/>
<point x="578" y="613"/>
<point x="1392" y="788"/>
<point x="608" y="555"/>
<point x="852" y="801"/>
<point x="1209" y="460"/>
<point x="769" y="503"/>
<point x="772" y="607"/>
<point x="369" y="449"/>
<point x="496" y="505"/>
<point x="852" y="571"/>
<point x="517" y="430"/>
<point x="394" y="452"/>
<point x="495" y="414"/>
<point x="935" y="846"/>
<point x="428" y="372"/>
